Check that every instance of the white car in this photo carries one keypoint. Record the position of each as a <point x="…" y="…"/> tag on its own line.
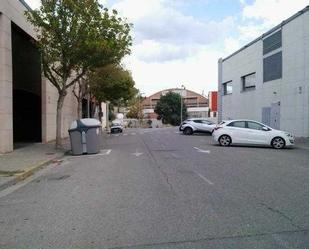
<point x="190" y="126"/>
<point x="116" y="128"/>
<point x="251" y="132"/>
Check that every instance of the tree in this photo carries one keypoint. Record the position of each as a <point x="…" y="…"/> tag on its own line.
<point x="135" y="107"/>
<point x="168" y="108"/>
<point x="80" y="91"/>
<point x="112" y="83"/>
<point x="75" y="37"/>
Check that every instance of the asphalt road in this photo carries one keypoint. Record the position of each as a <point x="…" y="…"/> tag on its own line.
<point x="158" y="189"/>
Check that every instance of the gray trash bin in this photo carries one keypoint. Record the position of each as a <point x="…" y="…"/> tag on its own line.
<point x="85" y="136"/>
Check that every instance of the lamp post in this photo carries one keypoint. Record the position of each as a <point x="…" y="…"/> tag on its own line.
<point x="182" y="88"/>
<point x="140" y="108"/>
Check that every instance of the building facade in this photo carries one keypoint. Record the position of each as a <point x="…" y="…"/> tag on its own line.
<point x="213" y="100"/>
<point x="27" y="100"/>
<point x="197" y="104"/>
<point x="268" y="79"/>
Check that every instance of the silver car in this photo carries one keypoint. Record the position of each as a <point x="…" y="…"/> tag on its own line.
<point x="194" y="125"/>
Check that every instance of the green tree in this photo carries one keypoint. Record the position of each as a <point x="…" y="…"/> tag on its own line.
<point x="168" y="108"/>
<point x="135" y="107"/>
<point x="112" y="83"/>
<point x="75" y="37"/>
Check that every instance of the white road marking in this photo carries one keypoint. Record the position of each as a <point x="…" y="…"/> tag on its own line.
<point x="174" y="155"/>
<point x="202" y="151"/>
<point x="137" y="154"/>
<point x="102" y="153"/>
<point x="125" y="134"/>
<point x="204" y="178"/>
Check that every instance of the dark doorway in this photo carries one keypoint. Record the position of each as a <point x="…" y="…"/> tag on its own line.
<point x="27" y="88"/>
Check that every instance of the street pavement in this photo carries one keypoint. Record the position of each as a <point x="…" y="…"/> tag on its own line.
<point x="159" y="189"/>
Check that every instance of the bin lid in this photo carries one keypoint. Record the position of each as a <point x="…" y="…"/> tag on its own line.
<point x="84" y="123"/>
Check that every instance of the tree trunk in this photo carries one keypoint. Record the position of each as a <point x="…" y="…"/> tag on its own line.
<point x="60" y="102"/>
<point x="80" y="108"/>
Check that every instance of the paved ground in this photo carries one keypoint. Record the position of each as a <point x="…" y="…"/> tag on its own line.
<point x="26" y="158"/>
<point x="159" y="189"/>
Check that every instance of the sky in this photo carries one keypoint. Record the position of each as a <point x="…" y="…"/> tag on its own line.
<point x="179" y="42"/>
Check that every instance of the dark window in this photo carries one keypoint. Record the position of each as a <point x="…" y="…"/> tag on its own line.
<point x="272" y="67"/>
<point x="197" y="121"/>
<point x="255" y="126"/>
<point x="238" y="124"/>
<point x="227" y="88"/>
<point x="272" y="42"/>
<point x="248" y="82"/>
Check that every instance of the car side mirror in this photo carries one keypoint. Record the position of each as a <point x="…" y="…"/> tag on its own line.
<point x="265" y="129"/>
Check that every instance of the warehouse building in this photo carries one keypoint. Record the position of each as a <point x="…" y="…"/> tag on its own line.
<point x="197" y="104"/>
<point x="268" y="79"/>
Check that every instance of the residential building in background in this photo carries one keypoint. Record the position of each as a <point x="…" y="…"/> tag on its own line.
<point x="27" y="100"/>
<point x="268" y="79"/>
<point x="197" y="104"/>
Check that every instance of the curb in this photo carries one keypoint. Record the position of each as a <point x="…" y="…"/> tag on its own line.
<point x="29" y="172"/>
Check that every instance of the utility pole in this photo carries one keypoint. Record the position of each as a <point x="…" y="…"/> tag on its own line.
<point x="181" y="100"/>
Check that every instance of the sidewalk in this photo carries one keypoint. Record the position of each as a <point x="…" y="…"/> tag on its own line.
<point x="24" y="161"/>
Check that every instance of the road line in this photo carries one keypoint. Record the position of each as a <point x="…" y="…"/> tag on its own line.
<point x="204" y="178"/>
<point x="174" y="155"/>
<point x="102" y="153"/>
<point x="202" y="151"/>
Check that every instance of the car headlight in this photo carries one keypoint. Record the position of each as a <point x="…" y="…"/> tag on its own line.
<point x="288" y="134"/>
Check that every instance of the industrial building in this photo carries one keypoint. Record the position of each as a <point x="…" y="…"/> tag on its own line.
<point x="268" y="79"/>
<point x="197" y="104"/>
<point x="27" y="100"/>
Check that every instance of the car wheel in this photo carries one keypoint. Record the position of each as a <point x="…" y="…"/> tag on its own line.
<point x="278" y="143"/>
<point x="188" y="131"/>
<point x="225" y="140"/>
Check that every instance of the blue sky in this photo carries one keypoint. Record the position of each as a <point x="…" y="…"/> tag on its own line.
<point x="178" y="42"/>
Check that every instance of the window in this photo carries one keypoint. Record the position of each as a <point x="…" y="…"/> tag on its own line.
<point x="248" y="82"/>
<point x="272" y="42"/>
<point x="238" y="124"/>
<point x="227" y="88"/>
<point x="255" y="126"/>
<point x="272" y="66"/>
<point x="197" y="121"/>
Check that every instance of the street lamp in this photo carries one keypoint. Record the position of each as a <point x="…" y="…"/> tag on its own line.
<point x="183" y="88"/>
<point x="140" y="107"/>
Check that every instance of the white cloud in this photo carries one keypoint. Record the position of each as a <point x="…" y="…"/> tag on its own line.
<point x="273" y="11"/>
<point x="231" y="45"/>
<point x="197" y="72"/>
<point x="157" y="20"/>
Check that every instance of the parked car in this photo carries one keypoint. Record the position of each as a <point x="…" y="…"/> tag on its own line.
<point x="190" y="126"/>
<point x="251" y="132"/>
<point x="116" y="128"/>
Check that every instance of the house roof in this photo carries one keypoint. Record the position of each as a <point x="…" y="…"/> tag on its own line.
<point x="270" y="31"/>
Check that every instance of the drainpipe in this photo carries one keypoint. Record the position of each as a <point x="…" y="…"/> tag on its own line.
<point x="220" y="93"/>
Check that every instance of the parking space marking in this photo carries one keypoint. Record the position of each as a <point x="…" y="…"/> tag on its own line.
<point x="125" y="134"/>
<point x="202" y="151"/>
<point x="204" y="178"/>
<point x="102" y="153"/>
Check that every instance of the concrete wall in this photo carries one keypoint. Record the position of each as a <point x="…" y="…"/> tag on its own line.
<point x="292" y="91"/>
<point x="13" y="11"/>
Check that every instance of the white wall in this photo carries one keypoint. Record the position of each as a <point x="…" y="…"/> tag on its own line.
<point x="292" y="90"/>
